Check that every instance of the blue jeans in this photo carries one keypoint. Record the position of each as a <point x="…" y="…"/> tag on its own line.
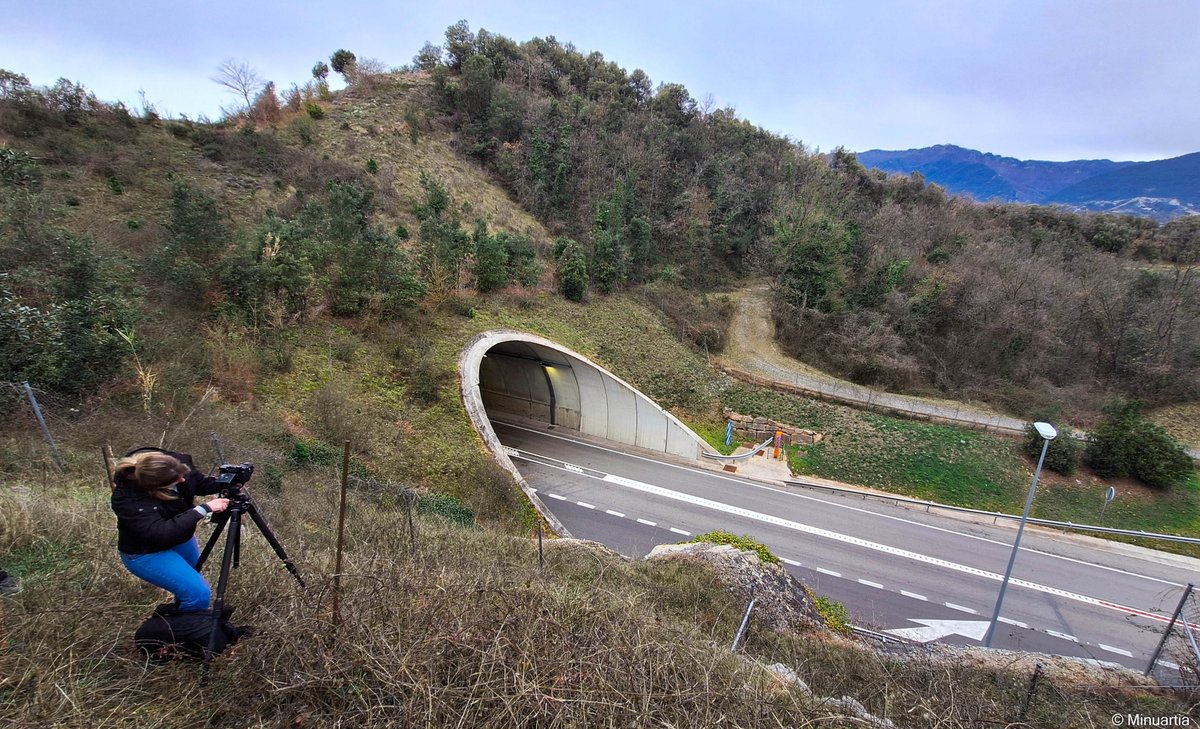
<point x="174" y="570"/>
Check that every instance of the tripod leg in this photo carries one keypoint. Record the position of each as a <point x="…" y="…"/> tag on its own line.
<point x="219" y="522"/>
<point x="265" y="528"/>
<point x="231" y="546"/>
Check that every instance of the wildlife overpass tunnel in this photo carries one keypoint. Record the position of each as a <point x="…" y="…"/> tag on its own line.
<point x="514" y="375"/>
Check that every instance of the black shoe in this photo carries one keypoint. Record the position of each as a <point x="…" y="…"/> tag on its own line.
<point x="9" y="585"/>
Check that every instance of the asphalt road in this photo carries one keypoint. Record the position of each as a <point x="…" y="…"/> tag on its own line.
<point x="890" y="566"/>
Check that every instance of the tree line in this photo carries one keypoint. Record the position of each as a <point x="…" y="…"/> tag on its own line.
<point x="885" y="280"/>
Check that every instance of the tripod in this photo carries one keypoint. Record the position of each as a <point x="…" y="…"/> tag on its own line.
<point x="239" y="503"/>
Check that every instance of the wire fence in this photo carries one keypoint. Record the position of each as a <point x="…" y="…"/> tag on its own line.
<point x="1176" y="662"/>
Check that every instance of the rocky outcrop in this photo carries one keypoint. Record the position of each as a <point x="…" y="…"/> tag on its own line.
<point x="783" y="603"/>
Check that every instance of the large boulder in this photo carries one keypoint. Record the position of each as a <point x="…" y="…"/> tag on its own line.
<point x="784" y="604"/>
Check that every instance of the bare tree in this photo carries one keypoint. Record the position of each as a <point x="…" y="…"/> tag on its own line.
<point x="240" y="78"/>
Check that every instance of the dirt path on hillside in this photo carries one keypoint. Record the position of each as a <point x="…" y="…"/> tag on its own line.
<point x="752" y="351"/>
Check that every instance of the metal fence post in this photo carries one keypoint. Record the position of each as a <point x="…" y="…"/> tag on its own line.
<point x="337" y="569"/>
<point x="1033" y="682"/>
<point x="37" y="412"/>
<point x="541" y="552"/>
<point x="410" y="496"/>
<point x="1187" y="591"/>
<point x="745" y="621"/>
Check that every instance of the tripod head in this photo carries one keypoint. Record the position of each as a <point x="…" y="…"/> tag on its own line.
<point x="232" y="477"/>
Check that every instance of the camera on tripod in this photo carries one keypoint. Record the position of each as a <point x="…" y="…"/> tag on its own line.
<point x="232" y="477"/>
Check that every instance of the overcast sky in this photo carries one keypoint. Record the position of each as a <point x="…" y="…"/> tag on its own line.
<point x="1033" y="79"/>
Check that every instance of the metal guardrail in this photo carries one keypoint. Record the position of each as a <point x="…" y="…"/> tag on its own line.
<point x="998" y="515"/>
<point x="757" y="448"/>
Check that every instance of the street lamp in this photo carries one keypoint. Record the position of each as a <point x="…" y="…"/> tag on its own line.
<point x="1048" y="433"/>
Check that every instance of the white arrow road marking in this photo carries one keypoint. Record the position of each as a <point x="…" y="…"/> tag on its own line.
<point x="937" y="629"/>
<point x="847" y="539"/>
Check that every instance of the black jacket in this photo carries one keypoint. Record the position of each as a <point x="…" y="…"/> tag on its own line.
<point x="146" y="524"/>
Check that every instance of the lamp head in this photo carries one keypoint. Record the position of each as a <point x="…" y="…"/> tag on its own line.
<point x="1046" y="430"/>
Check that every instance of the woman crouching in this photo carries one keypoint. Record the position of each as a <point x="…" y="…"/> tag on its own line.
<point x="153" y="496"/>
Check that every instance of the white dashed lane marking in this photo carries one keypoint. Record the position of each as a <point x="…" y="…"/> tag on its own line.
<point x="878" y="586"/>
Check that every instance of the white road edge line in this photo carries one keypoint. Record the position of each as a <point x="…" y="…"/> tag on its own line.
<point x="614" y="513"/>
<point x="647" y="523"/>
<point x="831" y="573"/>
<point x="962" y="608"/>
<point x="680" y="531"/>
<point x="586" y="505"/>
<point x="1014" y="623"/>
<point x="914" y="595"/>
<point x="1118" y="651"/>
<point x="792" y="562"/>
<point x="1064" y="636"/>
<point x="868" y="583"/>
<point x="556" y="496"/>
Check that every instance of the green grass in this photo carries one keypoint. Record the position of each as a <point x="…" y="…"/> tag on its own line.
<point x="714" y="435"/>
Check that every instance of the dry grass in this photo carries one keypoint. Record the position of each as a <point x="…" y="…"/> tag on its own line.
<point x="461" y="632"/>
<point x="1181" y="421"/>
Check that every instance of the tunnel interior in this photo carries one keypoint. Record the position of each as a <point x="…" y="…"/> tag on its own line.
<point x="525" y="377"/>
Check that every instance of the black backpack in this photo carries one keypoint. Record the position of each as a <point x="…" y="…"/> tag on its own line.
<point x="171" y="635"/>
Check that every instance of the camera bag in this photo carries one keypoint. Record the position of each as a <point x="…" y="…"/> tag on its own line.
<point x="171" y="635"/>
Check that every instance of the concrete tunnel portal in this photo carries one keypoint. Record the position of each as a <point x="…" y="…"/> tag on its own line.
<point x="513" y="375"/>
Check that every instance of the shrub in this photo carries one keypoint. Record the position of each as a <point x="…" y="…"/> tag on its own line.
<point x="746" y="543"/>
<point x="833" y="612"/>
<point x="314" y="111"/>
<point x="447" y="506"/>
<point x="1126" y="444"/>
<point x="1062" y="456"/>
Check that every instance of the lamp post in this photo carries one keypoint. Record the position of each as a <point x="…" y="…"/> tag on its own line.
<point x="1048" y="433"/>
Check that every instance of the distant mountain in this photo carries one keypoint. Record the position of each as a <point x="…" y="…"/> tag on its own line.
<point x="1162" y="190"/>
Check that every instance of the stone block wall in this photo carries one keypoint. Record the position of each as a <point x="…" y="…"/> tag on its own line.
<point x="750" y="428"/>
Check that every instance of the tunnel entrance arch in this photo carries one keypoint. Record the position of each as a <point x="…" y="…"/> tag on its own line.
<point x="528" y="377"/>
